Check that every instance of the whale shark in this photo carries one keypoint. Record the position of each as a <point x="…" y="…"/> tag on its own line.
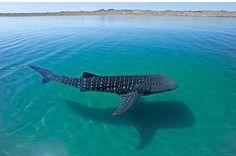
<point x="128" y="87"/>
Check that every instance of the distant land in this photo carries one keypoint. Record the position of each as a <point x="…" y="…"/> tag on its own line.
<point x="204" y="13"/>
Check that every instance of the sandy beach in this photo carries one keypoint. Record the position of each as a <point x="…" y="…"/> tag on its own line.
<point x="128" y="12"/>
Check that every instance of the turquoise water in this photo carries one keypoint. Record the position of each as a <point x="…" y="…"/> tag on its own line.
<point x="198" y="118"/>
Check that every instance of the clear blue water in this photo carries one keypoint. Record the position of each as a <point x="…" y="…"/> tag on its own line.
<point x="198" y="118"/>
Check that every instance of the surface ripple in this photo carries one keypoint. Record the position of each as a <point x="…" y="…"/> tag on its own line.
<point x="198" y="118"/>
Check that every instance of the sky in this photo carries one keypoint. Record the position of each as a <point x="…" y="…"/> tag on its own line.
<point x="73" y="6"/>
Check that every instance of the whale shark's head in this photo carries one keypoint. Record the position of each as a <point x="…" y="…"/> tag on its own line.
<point x="162" y="84"/>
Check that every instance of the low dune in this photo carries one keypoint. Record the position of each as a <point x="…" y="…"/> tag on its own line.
<point x="128" y="12"/>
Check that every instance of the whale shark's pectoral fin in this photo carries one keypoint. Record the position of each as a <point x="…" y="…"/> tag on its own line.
<point x="126" y="102"/>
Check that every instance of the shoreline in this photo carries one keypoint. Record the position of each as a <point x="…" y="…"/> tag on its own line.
<point x="103" y="12"/>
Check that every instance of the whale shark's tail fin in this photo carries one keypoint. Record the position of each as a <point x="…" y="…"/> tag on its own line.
<point x="47" y="75"/>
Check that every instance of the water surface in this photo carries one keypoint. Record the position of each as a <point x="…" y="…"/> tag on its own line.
<point x="198" y="118"/>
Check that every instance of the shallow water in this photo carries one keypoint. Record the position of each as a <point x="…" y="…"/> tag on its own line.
<point x="198" y="118"/>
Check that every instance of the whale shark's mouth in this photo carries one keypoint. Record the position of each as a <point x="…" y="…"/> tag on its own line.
<point x="172" y="85"/>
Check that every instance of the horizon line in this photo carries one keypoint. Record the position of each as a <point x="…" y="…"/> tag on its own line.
<point x="111" y="9"/>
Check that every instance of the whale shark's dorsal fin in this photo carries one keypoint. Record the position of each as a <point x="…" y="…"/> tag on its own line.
<point x="126" y="102"/>
<point x="87" y="75"/>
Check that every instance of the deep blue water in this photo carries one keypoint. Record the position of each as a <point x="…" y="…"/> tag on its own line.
<point x="198" y="118"/>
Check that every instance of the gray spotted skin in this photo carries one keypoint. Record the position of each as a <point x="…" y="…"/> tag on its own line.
<point x="74" y="82"/>
<point x="128" y="87"/>
<point x="110" y="84"/>
<point x="143" y="84"/>
<point x="127" y="100"/>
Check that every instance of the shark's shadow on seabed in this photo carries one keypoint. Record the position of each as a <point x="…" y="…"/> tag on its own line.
<point x="146" y="117"/>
